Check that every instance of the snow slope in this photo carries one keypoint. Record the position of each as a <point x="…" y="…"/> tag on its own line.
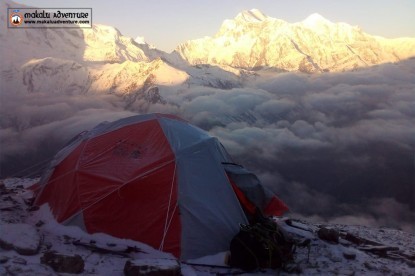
<point x="315" y="44"/>
<point x="106" y="255"/>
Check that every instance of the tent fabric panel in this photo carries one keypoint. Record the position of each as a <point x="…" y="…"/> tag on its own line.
<point x="60" y="179"/>
<point x="121" y="153"/>
<point x="275" y="207"/>
<point x="106" y="127"/>
<point x="139" y="211"/>
<point x="68" y="154"/>
<point x="64" y="162"/>
<point x="93" y="187"/>
<point x="74" y="144"/>
<point x="76" y="220"/>
<point x="107" y="162"/>
<point x="243" y="200"/>
<point x="252" y="187"/>
<point x="85" y="135"/>
<point x="181" y="134"/>
<point x="210" y="211"/>
<point x="225" y="156"/>
<point x="62" y="207"/>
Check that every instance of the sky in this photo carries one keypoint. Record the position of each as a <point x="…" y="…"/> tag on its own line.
<point x="167" y="23"/>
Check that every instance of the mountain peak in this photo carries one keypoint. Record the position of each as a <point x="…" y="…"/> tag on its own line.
<point x="253" y="15"/>
<point x="140" y="40"/>
<point x="315" y="18"/>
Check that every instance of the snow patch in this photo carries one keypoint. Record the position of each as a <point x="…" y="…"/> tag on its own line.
<point x="21" y="237"/>
<point x="253" y="15"/>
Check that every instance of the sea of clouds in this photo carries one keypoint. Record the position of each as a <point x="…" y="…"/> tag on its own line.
<point x="336" y="147"/>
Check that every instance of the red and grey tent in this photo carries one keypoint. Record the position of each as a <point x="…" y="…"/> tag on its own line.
<point x="156" y="179"/>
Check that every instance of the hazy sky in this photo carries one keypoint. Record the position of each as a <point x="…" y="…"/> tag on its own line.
<point x="166" y="23"/>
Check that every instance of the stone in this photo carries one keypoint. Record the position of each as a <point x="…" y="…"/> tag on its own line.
<point x="63" y="263"/>
<point x="152" y="267"/>
<point x="349" y="255"/>
<point x="20" y="261"/>
<point x="328" y="234"/>
<point x="4" y="259"/>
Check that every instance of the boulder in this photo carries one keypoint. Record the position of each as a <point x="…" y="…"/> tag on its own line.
<point x="4" y="259"/>
<point x="150" y="267"/>
<point x="328" y="234"/>
<point x="349" y="255"/>
<point x="63" y="263"/>
<point x="23" y="238"/>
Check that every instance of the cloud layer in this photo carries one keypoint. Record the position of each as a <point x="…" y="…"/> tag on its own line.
<point x="335" y="146"/>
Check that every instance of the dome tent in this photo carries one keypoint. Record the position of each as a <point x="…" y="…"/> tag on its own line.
<point x="156" y="179"/>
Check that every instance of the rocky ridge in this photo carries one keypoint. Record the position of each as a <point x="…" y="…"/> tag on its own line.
<point x="254" y="40"/>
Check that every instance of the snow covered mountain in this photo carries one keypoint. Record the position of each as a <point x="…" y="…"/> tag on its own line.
<point x="78" y="61"/>
<point x="97" y="44"/>
<point x="253" y="39"/>
<point x="70" y="77"/>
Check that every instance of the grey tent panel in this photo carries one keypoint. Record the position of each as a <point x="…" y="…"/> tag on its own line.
<point x="208" y="206"/>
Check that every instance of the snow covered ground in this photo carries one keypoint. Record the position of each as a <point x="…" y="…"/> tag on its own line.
<point x="28" y="237"/>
